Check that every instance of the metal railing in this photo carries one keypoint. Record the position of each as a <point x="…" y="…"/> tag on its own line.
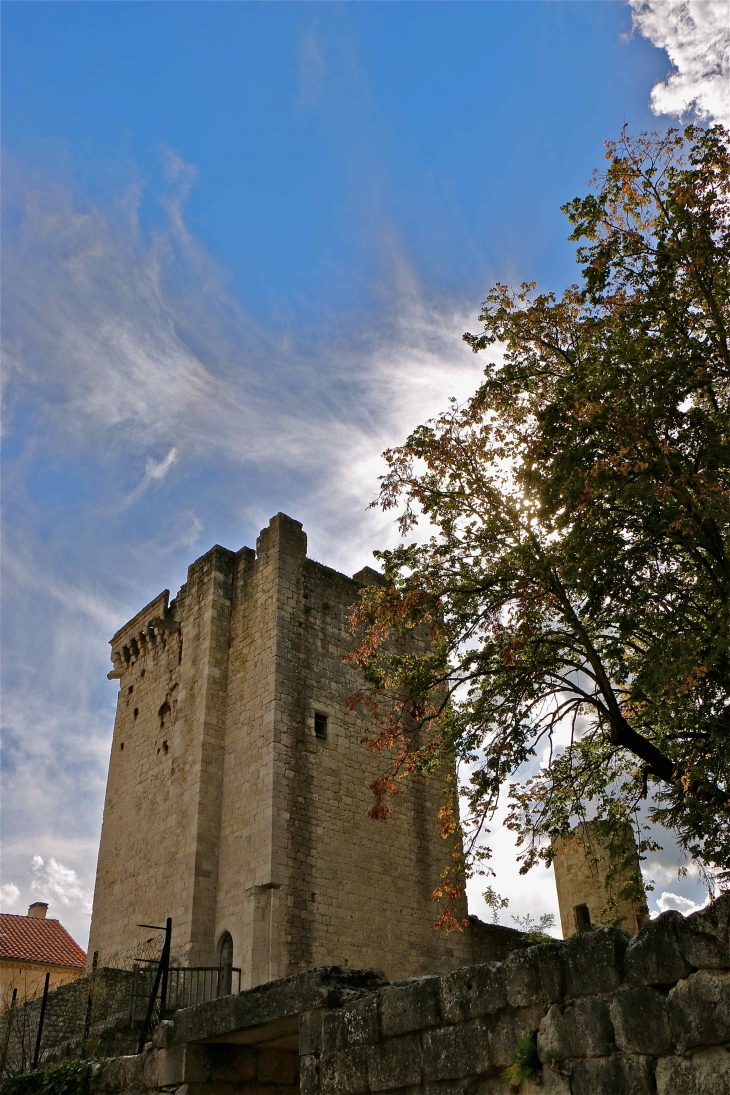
<point x="189" y="985"/>
<point x="114" y="1008"/>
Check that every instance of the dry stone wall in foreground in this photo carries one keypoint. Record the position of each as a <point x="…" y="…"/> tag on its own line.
<point x="610" y="1015"/>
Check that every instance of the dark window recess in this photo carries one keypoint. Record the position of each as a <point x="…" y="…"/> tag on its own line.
<point x="582" y="918"/>
<point x="121" y="745"/>
<point x="320" y="726"/>
<point x="135" y="712"/>
<point x="225" y="959"/>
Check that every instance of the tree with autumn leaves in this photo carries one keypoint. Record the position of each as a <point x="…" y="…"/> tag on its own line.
<point x="574" y="578"/>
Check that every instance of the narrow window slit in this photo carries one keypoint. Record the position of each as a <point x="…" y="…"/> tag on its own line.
<point x="582" y="919"/>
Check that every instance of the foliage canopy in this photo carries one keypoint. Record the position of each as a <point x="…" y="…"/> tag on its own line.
<point x="575" y="584"/>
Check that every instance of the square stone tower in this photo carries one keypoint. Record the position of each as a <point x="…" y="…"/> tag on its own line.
<point x="584" y="860"/>
<point x="238" y="791"/>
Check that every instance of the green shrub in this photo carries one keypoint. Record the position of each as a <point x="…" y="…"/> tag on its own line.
<point x="525" y="1062"/>
<point x="65" y="1078"/>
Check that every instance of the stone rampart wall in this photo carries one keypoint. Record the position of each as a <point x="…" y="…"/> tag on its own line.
<point x="600" y="1014"/>
<point x="609" y="1014"/>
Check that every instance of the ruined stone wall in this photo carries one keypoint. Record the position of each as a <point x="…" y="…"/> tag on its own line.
<point x="608" y="1015"/>
<point x="223" y="808"/>
<point x="600" y="1014"/>
<point x="187" y="1070"/>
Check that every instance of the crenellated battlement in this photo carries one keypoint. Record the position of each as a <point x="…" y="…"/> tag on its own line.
<point x="142" y="633"/>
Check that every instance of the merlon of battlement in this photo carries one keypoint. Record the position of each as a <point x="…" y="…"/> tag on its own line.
<point x="140" y="633"/>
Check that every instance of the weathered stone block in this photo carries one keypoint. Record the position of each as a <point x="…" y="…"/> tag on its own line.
<point x="309" y="1075"/>
<point x="183" y="1063"/>
<point x="471" y="992"/>
<point x="150" y="1072"/>
<point x="163" y="1032"/>
<point x="618" y="1074"/>
<point x="410" y="1005"/>
<point x="654" y="957"/>
<point x="221" y="1088"/>
<point x="580" y="1028"/>
<point x="395" y="1063"/>
<point x="507" y="1028"/>
<point x="355" y="1024"/>
<point x="594" y="962"/>
<point x="641" y="1021"/>
<point x="122" y="1074"/>
<point x="707" y="1072"/>
<point x="491" y="1085"/>
<point x="699" y="1009"/>
<point x="547" y="1082"/>
<point x="704" y="937"/>
<point x="170" y="1065"/>
<point x="535" y="976"/>
<point x="344" y="1072"/>
<point x="454" y="1052"/>
<point x="310" y="1031"/>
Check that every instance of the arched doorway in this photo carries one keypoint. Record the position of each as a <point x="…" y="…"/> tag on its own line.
<point x="225" y="961"/>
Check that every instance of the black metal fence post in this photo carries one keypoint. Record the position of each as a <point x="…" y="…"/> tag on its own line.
<point x="161" y="976"/>
<point x="165" y="963"/>
<point x="89" y="1003"/>
<point x="41" y="1019"/>
<point x="11" y="1016"/>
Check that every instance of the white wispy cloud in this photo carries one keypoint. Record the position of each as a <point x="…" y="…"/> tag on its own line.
<point x="696" y="36"/>
<point x="52" y="881"/>
<point x="179" y="530"/>
<point x="154" y="473"/>
<point x="142" y="351"/>
<point x="312" y="69"/>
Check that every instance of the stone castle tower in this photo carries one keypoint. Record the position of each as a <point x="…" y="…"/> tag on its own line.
<point x="238" y="791"/>
<point x="583" y="861"/>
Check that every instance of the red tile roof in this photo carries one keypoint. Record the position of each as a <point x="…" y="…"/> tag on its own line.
<point x="35" y="939"/>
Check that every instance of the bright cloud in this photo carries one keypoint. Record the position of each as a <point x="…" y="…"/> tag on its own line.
<point x="682" y="904"/>
<point x="9" y="894"/>
<point x="696" y="36"/>
<point x="53" y="881"/>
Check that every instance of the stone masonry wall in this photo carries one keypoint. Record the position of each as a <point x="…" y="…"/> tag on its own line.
<point x="324" y="884"/>
<point x="611" y="1016"/>
<point x="607" y="1014"/>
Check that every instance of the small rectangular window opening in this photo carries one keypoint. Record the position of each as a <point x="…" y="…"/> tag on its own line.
<point x="320" y="726"/>
<point x="582" y="918"/>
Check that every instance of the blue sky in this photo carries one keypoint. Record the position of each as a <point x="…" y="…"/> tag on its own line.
<point x="242" y="241"/>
